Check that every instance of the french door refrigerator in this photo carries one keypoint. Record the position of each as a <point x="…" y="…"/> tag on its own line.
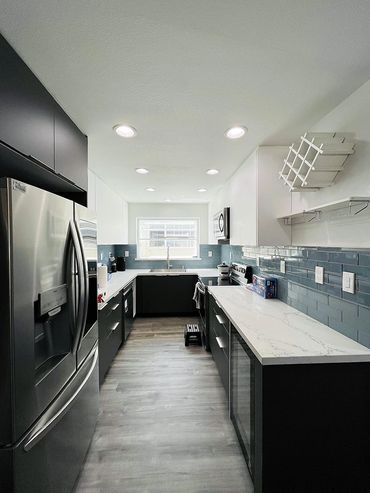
<point x="48" y="339"/>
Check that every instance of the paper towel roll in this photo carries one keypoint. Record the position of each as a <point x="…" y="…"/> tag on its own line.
<point x="102" y="277"/>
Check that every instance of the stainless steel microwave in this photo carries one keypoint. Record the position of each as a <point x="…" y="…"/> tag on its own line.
<point x="221" y="224"/>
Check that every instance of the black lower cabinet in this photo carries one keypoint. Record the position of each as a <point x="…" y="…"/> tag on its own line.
<point x="219" y="341"/>
<point x="165" y="295"/>
<point x="110" y="333"/>
<point x="302" y="428"/>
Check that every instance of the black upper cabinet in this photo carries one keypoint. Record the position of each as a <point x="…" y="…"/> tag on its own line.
<point x="33" y="124"/>
<point x="27" y="109"/>
<point x="70" y="150"/>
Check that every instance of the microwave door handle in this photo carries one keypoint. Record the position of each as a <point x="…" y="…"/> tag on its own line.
<point x="86" y="283"/>
<point x="220" y="218"/>
<point x="81" y="286"/>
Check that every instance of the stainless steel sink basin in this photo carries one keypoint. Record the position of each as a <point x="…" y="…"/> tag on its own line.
<point x="180" y="269"/>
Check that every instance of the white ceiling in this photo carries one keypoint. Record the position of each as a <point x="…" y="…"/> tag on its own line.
<point x="182" y="71"/>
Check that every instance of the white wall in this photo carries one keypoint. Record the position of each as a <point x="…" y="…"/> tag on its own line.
<point x="352" y="115"/>
<point x="111" y="210"/>
<point x="136" y="210"/>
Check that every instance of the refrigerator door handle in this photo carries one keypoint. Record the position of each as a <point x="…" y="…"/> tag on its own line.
<point x="81" y="286"/>
<point x="42" y="430"/>
<point x="86" y="284"/>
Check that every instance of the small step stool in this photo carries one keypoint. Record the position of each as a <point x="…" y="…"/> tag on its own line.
<point x="192" y="334"/>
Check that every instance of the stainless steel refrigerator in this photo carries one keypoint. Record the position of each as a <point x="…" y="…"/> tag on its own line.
<point x="48" y="339"/>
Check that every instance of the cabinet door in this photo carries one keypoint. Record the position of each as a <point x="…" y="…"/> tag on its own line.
<point x="153" y="295"/>
<point x="179" y="297"/>
<point x="70" y="150"/>
<point x="27" y="109"/>
<point x="168" y="295"/>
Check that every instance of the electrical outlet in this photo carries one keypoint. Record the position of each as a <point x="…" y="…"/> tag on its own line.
<point x="127" y="253"/>
<point x="210" y="253"/>
<point x="348" y="282"/>
<point x="282" y="266"/>
<point x="319" y="275"/>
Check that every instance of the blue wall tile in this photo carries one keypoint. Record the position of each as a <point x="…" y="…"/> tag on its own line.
<point x="345" y="312"/>
<point x="205" y="262"/>
<point x="103" y="254"/>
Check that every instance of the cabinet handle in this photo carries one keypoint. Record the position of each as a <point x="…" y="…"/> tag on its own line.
<point x="220" y="343"/>
<point x="115" y="307"/>
<point x="114" y="327"/>
<point x="217" y="303"/>
<point x="220" y="320"/>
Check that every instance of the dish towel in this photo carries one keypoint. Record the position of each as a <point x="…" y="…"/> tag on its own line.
<point x="196" y="296"/>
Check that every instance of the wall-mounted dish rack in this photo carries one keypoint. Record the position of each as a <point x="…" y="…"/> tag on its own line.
<point x="315" y="161"/>
<point x="354" y="206"/>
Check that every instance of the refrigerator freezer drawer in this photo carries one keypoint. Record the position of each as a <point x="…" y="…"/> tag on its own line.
<point x="49" y="458"/>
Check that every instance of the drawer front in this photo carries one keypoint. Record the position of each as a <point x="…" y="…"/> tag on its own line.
<point x="108" y="348"/>
<point x="110" y="315"/>
<point x="220" y="326"/>
<point x="222" y="362"/>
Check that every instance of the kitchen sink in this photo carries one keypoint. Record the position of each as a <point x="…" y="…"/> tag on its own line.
<point x="180" y="269"/>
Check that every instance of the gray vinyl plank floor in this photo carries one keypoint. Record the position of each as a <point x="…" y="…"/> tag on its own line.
<point x="163" y="424"/>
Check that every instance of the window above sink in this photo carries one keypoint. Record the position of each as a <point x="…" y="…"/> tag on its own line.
<point x="158" y="238"/>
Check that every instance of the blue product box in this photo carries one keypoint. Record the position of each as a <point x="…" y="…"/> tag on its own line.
<point x="265" y="286"/>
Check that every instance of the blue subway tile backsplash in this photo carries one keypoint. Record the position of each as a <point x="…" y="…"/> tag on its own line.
<point x="204" y="262"/>
<point x="345" y="312"/>
<point x="103" y="254"/>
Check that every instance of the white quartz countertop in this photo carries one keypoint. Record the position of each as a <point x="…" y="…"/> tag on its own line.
<point x="279" y="334"/>
<point x="120" y="280"/>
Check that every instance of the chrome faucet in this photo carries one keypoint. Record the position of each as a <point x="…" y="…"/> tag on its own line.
<point x="168" y="258"/>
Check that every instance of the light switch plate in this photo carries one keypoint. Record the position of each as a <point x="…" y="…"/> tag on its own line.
<point x="127" y="253"/>
<point x="282" y="266"/>
<point x="319" y="275"/>
<point x="210" y="253"/>
<point x="348" y="282"/>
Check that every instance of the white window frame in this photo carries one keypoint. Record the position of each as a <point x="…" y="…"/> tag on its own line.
<point x="158" y="218"/>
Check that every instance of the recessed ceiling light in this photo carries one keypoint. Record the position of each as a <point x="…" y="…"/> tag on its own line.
<point x="235" y="132"/>
<point x="168" y="200"/>
<point x="142" y="171"/>
<point x="202" y="189"/>
<point x="212" y="171"/>
<point x="125" y="131"/>
<point x="150" y="189"/>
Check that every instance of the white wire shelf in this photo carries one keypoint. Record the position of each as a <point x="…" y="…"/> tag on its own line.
<point x="315" y="161"/>
<point x="355" y="205"/>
